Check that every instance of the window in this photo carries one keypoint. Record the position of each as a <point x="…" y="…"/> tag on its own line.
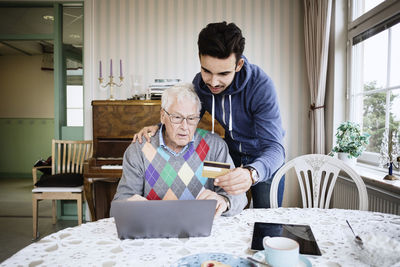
<point x="360" y="7"/>
<point x="374" y="76"/>
<point x="74" y="98"/>
<point x="72" y="48"/>
<point x="74" y="105"/>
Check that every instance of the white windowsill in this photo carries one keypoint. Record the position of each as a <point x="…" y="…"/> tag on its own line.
<point x="374" y="177"/>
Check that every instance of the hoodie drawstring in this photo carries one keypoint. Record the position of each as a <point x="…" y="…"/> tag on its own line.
<point x="223" y="110"/>
<point x="230" y="113"/>
<point x="212" y="117"/>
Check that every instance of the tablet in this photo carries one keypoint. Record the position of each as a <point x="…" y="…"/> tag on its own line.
<point x="301" y="233"/>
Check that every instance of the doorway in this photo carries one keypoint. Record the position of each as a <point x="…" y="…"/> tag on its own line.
<point x="41" y="47"/>
<point x="41" y="51"/>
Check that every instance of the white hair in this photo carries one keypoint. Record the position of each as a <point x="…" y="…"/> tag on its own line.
<point x="180" y="92"/>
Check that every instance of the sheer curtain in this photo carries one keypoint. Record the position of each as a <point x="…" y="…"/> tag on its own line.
<point x="317" y="20"/>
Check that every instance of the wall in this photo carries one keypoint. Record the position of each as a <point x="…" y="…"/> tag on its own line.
<point x="26" y="91"/>
<point x="26" y="114"/>
<point x="23" y="141"/>
<point x="158" y="39"/>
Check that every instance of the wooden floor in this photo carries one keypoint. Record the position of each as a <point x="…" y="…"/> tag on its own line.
<point x="16" y="216"/>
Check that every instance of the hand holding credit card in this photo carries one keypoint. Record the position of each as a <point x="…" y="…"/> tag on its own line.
<point x="213" y="169"/>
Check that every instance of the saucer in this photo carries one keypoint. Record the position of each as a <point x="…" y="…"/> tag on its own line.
<point x="303" y="261"/>
<point x="196" y="260"/>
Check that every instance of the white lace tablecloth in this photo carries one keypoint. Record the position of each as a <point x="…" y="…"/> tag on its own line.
<point x="97" y="244"/>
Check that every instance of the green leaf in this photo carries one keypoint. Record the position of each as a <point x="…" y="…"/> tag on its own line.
<point x="349" y="139"/>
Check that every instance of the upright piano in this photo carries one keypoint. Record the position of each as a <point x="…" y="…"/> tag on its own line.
<point x="114" y="124"/>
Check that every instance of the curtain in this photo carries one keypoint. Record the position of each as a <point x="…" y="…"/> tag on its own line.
<point x="317" y="18"/>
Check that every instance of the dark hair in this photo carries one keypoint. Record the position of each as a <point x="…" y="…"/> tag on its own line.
<point x="220" y="40"/>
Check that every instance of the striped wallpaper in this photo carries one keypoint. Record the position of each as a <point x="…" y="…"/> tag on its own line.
<point x="158" y="39"/>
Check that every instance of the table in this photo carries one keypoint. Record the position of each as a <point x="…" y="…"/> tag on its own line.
<point x="97" y="244"/>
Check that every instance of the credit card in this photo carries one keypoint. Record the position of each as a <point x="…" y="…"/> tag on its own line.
<point x="212" y="169"/>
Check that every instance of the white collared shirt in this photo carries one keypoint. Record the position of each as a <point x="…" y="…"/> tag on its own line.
<point x="163" y="145"/>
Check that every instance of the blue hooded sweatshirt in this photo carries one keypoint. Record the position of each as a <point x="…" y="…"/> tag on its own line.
<point x="249" y="112"/>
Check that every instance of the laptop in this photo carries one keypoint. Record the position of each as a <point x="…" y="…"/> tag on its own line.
<point x="163" y="218"/>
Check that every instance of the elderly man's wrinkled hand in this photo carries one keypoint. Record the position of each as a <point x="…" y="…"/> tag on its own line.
<point x="235" y="182"/>
<point x="137" y="197"/>
<point x="146" y="133"/>
<point x="221" y="203"/>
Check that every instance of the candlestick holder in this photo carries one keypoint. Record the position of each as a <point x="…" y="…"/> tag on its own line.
<point x="390" y="153"/>
<point x="111" y="84"/>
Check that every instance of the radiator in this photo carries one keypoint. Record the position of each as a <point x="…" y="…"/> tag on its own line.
<point x="345" y="196"/>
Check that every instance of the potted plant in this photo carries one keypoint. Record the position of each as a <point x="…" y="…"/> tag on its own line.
<point x="350" y="142"/>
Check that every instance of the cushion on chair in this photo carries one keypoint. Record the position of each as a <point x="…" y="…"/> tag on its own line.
<point x="60" y="180"/>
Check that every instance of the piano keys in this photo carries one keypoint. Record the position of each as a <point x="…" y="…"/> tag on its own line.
<point x="111" y="167"/>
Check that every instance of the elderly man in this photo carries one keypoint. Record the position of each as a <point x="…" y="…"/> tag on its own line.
<point x="170" y="165"/>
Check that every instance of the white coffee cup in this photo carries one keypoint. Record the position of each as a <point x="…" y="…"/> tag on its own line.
<point x="281" y="251"/>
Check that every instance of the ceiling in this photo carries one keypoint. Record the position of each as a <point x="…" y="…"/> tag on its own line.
<point x="39" y="20"/>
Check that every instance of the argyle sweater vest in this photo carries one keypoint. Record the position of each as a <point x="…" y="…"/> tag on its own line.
<point x="170" y="177"/>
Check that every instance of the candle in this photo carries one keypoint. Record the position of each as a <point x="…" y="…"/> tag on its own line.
<point x="101" y="73"/>
<point x="111" y="74"/>
<point x="120" y="68"/>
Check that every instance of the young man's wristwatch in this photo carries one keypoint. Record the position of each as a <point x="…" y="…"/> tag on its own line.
<point x="253" y="174"/>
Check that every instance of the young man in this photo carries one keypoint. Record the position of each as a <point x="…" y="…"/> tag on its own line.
<point x="243" y="100"/>
<point x="169" y="166"/>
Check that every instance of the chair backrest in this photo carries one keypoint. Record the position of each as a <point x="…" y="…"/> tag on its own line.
<point x="68" y="156"/>
<point x="317" y="175"/>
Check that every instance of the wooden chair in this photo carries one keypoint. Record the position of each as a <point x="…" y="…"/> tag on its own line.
<point x="317" y="174"/>
<point x="66" y="179"/>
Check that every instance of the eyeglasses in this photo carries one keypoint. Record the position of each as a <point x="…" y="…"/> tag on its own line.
<point x="176" y="119"/>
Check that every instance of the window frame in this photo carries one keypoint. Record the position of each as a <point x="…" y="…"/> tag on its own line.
<point x="368" y="20"/>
